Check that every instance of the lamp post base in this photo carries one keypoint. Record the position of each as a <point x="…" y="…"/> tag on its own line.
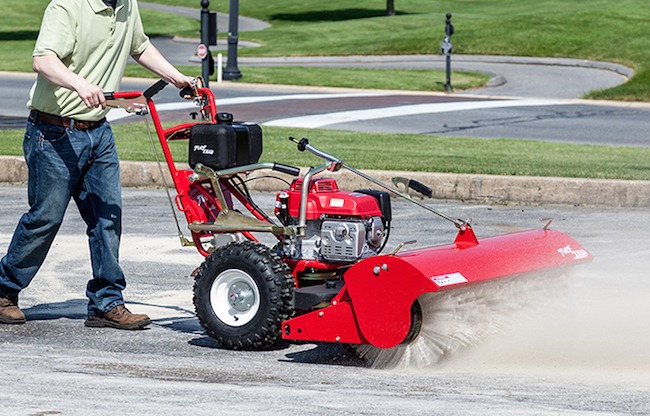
<point x="230" y="75"/>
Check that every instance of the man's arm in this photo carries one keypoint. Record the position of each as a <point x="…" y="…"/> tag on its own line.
<point x="153" y="60"/>
<point x="52" y="69"/>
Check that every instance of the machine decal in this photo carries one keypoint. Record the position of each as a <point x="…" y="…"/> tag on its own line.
<point x="203" y="149"/>
<point x="448" y="279"/>
<point x="577" y="254"/>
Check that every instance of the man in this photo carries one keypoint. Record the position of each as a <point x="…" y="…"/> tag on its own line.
<point x="81" y="51"/>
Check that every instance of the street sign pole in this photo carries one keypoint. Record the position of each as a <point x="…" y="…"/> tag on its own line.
<point x="203" y="47"/>
<point x="446" y="49"/>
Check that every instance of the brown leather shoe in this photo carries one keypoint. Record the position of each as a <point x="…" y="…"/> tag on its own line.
<point x="10" y="313"/>
<point x="119" y="317"/>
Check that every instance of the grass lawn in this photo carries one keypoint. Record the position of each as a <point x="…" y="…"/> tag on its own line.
<point x="594" y="29"/>
<point x="587" y="29"/>
<point x="393" y="79"/>
<point x="411" y="152"/>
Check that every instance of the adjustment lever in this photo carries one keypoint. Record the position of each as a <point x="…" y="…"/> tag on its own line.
<point x="413" y="184"/>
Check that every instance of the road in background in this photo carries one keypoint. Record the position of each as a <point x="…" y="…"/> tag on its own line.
<point x="548" y="82"/>
<point x="393" y="112"/>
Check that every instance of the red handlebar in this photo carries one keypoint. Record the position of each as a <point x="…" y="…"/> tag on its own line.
<point x="122" y="95"/>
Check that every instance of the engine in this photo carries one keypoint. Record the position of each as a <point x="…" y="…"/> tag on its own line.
<point x="341" y="226"/>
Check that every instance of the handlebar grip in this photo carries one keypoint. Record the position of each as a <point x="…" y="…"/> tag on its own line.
<point x="155" y="89"/>
<point x="290" y="170"/>
<point x="421" y="188"/>
<point x="122" y="95"/>
<point x="187" y="90"/>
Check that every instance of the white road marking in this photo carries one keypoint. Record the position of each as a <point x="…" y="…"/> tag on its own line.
<point x="325" y="119"/>
<point x="118" y="114"/>
<point x="321" y="120"/>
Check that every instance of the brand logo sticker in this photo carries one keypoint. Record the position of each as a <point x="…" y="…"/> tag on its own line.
<point x="203" y="148"/>
<point x="577" y="254"/>
<point x="448" y="279"/>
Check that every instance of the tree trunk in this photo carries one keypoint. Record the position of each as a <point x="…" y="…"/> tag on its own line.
<point x="390" y="7"/>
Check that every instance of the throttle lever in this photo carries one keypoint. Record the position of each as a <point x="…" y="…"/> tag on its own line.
<point x="303" y="145"/>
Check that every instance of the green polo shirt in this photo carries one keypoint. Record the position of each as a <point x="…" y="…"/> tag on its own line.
<point x="92" y="40"/>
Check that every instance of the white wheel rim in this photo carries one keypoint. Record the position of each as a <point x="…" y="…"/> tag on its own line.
<point x="234" y="297"/>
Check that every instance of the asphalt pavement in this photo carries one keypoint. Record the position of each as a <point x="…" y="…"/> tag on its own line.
<point x="566" y="346"/>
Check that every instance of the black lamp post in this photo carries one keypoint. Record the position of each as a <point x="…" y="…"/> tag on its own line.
<point x="231" y="71"/>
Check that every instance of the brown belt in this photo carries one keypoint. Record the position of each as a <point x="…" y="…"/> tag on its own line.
<point x="46" y="118"/>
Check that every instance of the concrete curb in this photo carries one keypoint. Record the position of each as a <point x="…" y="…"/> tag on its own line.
<point x="504" y="189"/>
<point x="463" y="187"/>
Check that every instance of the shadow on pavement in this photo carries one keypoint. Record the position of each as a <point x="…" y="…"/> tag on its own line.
<point x="326" y="354"/>
<point x="71" y="309"/>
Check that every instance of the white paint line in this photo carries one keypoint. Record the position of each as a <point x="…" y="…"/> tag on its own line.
<point x="267" y="98"/>
<point x="321" y="120"/>
<point x="118" y="114"/>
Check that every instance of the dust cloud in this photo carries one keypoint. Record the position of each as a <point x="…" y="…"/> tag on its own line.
<point x="592" y="323"/>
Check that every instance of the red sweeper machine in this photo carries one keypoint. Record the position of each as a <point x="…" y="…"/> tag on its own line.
<point x="325" y="279"/>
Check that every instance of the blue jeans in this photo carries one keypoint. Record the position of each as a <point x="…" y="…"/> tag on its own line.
<point x="67" y="163"/>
